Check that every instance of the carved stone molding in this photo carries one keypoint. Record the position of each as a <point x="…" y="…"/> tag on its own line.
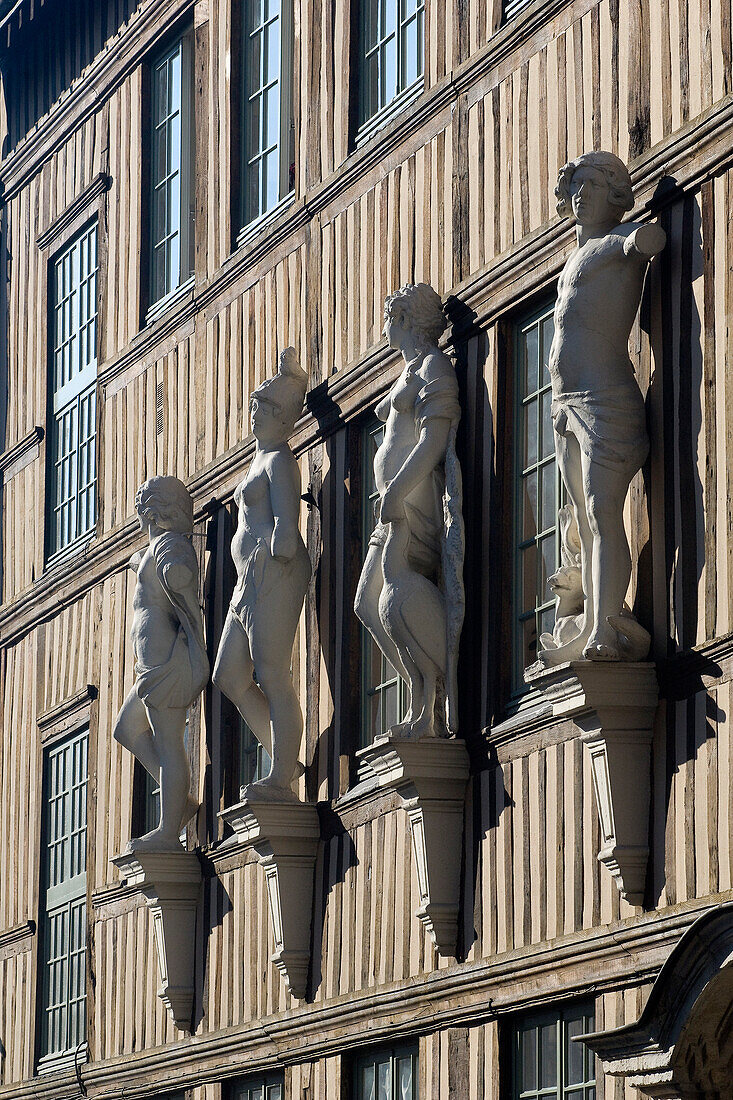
<point x="681" y="1048"/>
<point x="613" y="705"/>
<point x="170" y="883"/>
<point x="430" y="777"/>
<point x="285" y="837"/>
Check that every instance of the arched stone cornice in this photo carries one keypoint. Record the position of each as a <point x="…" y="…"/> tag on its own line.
<point x="681" y="1048"/>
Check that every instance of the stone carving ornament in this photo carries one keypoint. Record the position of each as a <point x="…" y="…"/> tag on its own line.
<point x="598" y="411"/>
<point x="171" y="664"/>
<point x="273" y="570"/>
<point x="410" y="594"/>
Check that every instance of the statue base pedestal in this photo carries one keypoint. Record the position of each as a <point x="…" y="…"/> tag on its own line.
<point x="285" y="837"/>
<point x="613" y="705"/>
<point x="170" y="883"/>
<point x="430" y="776"/>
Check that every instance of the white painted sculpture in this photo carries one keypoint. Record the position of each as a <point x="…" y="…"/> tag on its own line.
<point x="410" y="595"/>
<point x="598" y="411"/>
<point x="171" y="664"/>
<point x="273" y="570"/>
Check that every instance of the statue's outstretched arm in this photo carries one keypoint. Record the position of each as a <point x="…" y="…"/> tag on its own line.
<point x="646" y="241"/>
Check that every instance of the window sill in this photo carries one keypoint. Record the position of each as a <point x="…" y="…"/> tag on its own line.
<point x="75" y="549"/>
<point x="66" y="1062"/>
<point x="183" y="290"/>
<point x="387" y="113"/>
<point x="252" y="229"/>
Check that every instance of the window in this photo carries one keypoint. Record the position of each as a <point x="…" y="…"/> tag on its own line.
<point x="268" y="169"/>
<point x="547" y="1064"/>
<point x="172" y="149"/>
<point x="513" y="7"/>
<point x="254" y="762"/>
<point x="392" y="53"/>
<point x="538" y="492"/>
<point x="62" y="977"/>
<point x="387" y="1074"/>
<point x="383" y="691"/>
<point x="73" y="396"/>
<point x="268" y="1086"/>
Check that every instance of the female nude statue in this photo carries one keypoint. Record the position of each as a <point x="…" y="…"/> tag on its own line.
<point x="410" y="593"/>
<point x="598" y="412"/>
<point x="171" y="664"/>
<point x="273" y="570"/>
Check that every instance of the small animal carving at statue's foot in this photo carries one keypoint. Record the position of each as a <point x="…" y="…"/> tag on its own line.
<point x="624" y="639"/>
<point x="155" y="841"/>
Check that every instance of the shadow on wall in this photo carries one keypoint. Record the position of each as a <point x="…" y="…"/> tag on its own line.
<point x="676" y="499"/>
<point x="50" y="52"/>
<point x="478" y="681"/>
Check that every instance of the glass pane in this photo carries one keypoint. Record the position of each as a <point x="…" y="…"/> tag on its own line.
<point x="529" y="506"/>
<point x="273" y="8"/>
<point x="548" y="567"/>
<point x="274" y="1092"/>
<point x="370" y="86"/>
<point x="389" y="17"/>
<point x="370" y="23"/>
<point x="574" y="1052"/>
<point x="530" y="433"/>
<point x="256" y="13"/>
<point x="271" y="182"/>
<point x="547" y="621"/>
<point x="272" y="52"/>
<point x="384" y="1084"/>
<point x="389" y="71"/>
<point x="547" y="432"/>
<point x="367" y="1083"/>
<point x="531" y="361"/>
<point x="549" y="496"/>
<point x="529" y="642"/>
<point x="410" y="54"/>
<point x="548" y="331"/>
<point x="272" y="117"/>
<point x="548" y="1055"/>
<point x="404" y="1078"/>
<point x="528" y="1060"/>
<point x="528" y="574"/>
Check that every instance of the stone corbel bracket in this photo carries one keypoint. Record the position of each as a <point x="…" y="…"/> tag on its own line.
<point x="285" y="837"/>
<point x="170" y="883"/>
<point x="613" y="705"/>
<point x="430" y="777"/>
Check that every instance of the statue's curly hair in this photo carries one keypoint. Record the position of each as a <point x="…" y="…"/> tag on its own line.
<point x="167" y="502"/>
<point x="422" y="309"/>
<point x="620" y="193"/>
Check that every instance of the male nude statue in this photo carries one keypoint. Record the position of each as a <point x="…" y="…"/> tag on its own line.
<point x="598" y="412"/>
<point x="171" y="664"/>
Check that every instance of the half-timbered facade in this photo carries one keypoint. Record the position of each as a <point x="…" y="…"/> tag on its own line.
<point x="187" y="188"/>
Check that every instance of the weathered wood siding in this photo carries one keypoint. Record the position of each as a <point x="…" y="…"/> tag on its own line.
<point x="448" y="198"/>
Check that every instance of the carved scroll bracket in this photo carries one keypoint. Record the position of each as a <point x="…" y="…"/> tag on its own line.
<point x="430" y="776"/>
<point x="170" y="883"/>
<point x="613" y="705"/>
<point x="285" y="837"/>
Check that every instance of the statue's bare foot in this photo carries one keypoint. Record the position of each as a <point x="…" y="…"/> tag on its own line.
<point x="266" y="790"/>
<point x="423" y="726"/>
<point x="401" y="729"/>
<point x="603" y="645"/>
<point x="155" y="841"/>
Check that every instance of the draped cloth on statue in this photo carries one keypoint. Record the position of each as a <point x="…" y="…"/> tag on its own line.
<point x="180" y="679"/>
<point x="436" y="542"/>
<point x="609" y="424"/>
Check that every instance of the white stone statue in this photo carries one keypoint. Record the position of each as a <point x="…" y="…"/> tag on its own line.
<point x="597" y="409"/>
<point x="410" y="595"/>
<point x="273" y="571"/>
<point x="171" y="664"/>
